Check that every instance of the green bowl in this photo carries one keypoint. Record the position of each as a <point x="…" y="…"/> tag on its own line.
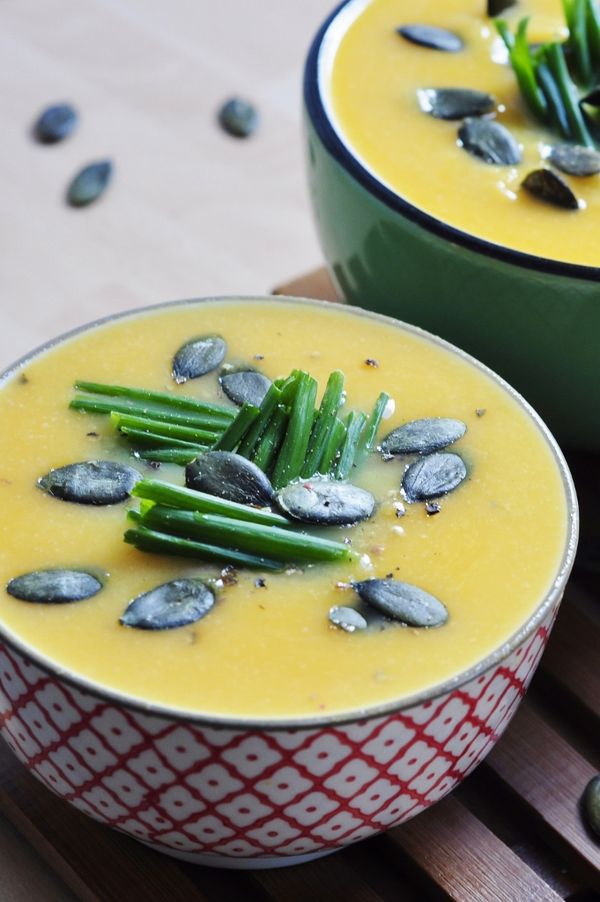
<point x="534" y="321"/>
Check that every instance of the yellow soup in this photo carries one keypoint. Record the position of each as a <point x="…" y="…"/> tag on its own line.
<point x="490" y="554"/>
<point x="373" y="94"/>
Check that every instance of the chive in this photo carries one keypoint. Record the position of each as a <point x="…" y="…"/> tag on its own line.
<point x="269" y="403"/>
<point x="332" y="400"/>
<point x="159" y="427"/>
<point x="152" y="438"/>
<point x="162" y="398"/>
<point x="558" y="67"/>
<point x="271" y="439"/>
<point x="148" y="410"/>
<point x="237" y="430"/>
<point x="335" y="439"/>
<point x="190" y="500"/>
<point x="148" y="540"/>
<point x="370" y="434"/>
<point x="575" y="15"/>
<point x="355" y="425"/>
<point x="293" y="450"/>
<point x="556" y="107"/>
<point x="167" y="455"/>
<point x="523" y="66"/>
<point x="593" y="29"/>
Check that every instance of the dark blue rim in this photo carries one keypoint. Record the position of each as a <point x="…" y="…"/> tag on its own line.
<point x="334" y="145"/>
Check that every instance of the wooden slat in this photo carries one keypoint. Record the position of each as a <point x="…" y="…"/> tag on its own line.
<point x="549" y="776"/>
<point x="466" y="860"/>
<point x="329" y="879"/>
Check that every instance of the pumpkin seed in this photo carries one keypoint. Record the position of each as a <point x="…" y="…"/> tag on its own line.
<point x="55" y="123"/>
<point x="575" y="159"/>
<point x="89" y="184"/>
<point x="243" y="386"/>
<point x="170" y="605"/>
<point x="551" y="188"/>
<point x="230" y="476"/>
<point x="489" y="141"/>
<point x="238" y="117"/>
<point x="91" y="482"/>
<point x="454" y="103"/>
<point x="348" y="619"/>
<point x="198" y="357"/>
<point x="433" y="476"/>
<point x="423" y="436"/>
<point x="325" y="502"/>
<point x="432" y="37"/>
<point x="495" y="7"/>
<point x="403" y="602"/>
<point x="54" y="586"/>
<point x="591" y="804"/>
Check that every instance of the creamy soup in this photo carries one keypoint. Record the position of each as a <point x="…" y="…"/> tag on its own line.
<point x="372" y="93"/>
<point x="267" y="649"/>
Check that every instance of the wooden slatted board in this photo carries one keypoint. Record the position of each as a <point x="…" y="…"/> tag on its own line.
<point x="512" y="832"/>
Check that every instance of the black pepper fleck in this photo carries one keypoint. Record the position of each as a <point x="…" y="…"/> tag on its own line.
<point x="23" y="379"/>
<point x="260" y="583"/>
<point x="370" y="361"/>
<point x="92" y="434"/>
<point x="229" y="576"/>
<point x="480" y="411"/>
<point x="432" y="507"/>
<point x="259" y="356"/>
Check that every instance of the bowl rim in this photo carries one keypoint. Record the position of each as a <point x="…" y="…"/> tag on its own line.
<point x="316" y="109"/>
<point x="273" y="724"/>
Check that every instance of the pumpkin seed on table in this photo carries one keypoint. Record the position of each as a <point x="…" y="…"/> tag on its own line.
<point x="454" y="103"/>
<point x="423" y="436"/>
<point x="324" y="502"/>
<point x="591" y="804"/>
<point x="89" y="184"/>
<point x="55" y="586"/>
<point x="230" y="476"/>
<point x="433" y="476"/>
<point x="55" y="123"/>
<point x="489" y="141"/>
<point x="431" y="37"/>
<point x="198" y="357"/>
<point x="549" y="187"/>
<point x="91" y="482"/>
<point x="245" y="386"/>
<point x="348" y="619"/>
<point x="402" y="602"/>
<point x="575" y="159"/>
<point x="238" y="117"/>
<point x="169" y="606"/>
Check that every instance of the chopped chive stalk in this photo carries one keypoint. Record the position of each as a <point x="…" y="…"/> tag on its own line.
<point x="140" y="436"/>
<point x="335" y="440"/>
<point x="269" y="403"/>
<point x="159" y="543"/>
<point x="558" y="67"/>
<point x="162" y="398"/>
<point x="355" y="425"/>
<point x="575" y="15"/>
<point x="332" y="400"/>
<point x="159" y="427"/>
<point x="148" y="410"/>
<point x="237" y="430"/>
<point x="523" y="66"/>
<point x="556" y="107"/>
<point x="593" y="29"/>
<point x="190" y="500"/>
<point x="293" y="450"/>
<point x="369" y="436"/>
<point x="271" y="439"/>
<point x="178" y="456"/>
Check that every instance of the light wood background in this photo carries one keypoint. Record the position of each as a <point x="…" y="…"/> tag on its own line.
<point x="191" y="211"/>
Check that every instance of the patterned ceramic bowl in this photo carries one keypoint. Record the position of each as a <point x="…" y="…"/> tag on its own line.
<point x="250" y="794"/>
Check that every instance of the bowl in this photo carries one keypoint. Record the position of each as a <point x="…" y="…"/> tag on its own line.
<point x="533" y="320"/>
<point x="257" y="792"/>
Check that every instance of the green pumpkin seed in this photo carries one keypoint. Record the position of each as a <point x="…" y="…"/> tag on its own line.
<point x="55" y="123"/>
<point x="324" y="502"/>
<point x="89" y="184"/>
<point x="591" y="804"/>
<point x="431" y="37"/>
<point x="454" y="103"/>
<point x="575" y="159"/>
<point x="551" y="188"/>
<point x="245" y="386"/>
<point x="489" y="141"/>
<point x="423" y="436"/>
<point x="433" y="476"/>
<point x="230" y="476"/>
<point x="170" y="605"/>
<point x="238" y="117"/>
<point x="198" y="357"/>
<point x="54" y="586"/>
<point x="91" y="482"/>
<point x="348" y="619"/>
<point x="403" y="602"/>
<point x="495" y="7"/>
